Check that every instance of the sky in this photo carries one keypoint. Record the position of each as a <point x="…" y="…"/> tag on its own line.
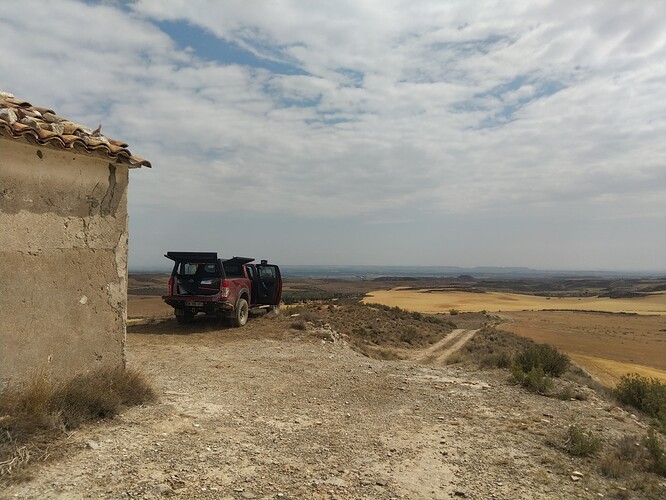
<point x="368" y="132"/>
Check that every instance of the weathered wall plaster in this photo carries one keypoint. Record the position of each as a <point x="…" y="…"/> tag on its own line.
<point x="63" y="267"/>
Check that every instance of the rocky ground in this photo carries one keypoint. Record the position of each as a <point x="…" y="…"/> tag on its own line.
<point x="272" y="411"/>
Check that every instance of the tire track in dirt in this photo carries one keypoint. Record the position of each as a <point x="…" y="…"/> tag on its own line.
<point x="440" y="351"/>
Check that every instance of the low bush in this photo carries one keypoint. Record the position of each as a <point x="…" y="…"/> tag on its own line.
<point x="545" y="357"/>
<point x="33" y="414"/>
<point x="632" y="455"/>
<point x="657" y="453"/>
<point x="580" y="443"/>
<point x="299" y="325"/>
<point x="534" y="380"/>
<point x="435" y="320"/>
<point x="644" y="394"/>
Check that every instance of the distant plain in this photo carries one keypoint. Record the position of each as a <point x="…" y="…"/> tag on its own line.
<point x="606" y="336"/>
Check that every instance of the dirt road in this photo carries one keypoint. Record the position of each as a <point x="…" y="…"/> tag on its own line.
<point x="439" y="352"/>
<point x="270" y="412"/>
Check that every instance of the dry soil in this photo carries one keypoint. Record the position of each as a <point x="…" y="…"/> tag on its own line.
<point x="268" y="411"/>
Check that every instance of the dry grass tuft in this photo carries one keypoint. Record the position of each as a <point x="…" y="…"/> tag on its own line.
<point x="581" y="443"/>
<point x="33" y="415"/>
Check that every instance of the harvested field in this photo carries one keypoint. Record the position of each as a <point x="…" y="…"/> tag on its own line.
<point x="146" y="306"/>
<point x="434" y="301"/>
<point x="606" y="345"/>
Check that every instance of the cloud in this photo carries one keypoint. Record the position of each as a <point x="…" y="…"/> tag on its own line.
<point x="354" y="108"/>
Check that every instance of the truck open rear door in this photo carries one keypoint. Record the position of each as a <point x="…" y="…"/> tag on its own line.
<point x="269" y="284"/>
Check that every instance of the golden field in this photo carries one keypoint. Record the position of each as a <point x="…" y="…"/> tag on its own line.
<point x="438" y="301"/>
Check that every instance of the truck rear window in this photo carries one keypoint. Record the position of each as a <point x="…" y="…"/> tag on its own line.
<point x="233" y="270"/>
<point x="191" y="269"/>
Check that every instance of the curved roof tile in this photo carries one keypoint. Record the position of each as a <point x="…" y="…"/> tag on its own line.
<point x="21" y="120"/>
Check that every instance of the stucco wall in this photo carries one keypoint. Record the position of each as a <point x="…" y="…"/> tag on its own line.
<point x="63" y="267"/>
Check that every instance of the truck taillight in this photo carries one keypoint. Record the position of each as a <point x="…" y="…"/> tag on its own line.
<point x="171" y="285"/>
<point x="224" y="288"/>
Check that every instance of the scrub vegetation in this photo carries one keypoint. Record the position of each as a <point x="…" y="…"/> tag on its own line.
<point x="33" y="415"/>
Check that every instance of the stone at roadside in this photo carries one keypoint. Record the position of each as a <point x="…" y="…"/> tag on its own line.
<point x="93" y="445"/>
<point x="162" y="490"/>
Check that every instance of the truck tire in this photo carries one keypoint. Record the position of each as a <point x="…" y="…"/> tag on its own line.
<point x="241" y="313"/>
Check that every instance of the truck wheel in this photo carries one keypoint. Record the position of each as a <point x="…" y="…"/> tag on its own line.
<point x="242" y="311"/>
<point x="185" y="317"/>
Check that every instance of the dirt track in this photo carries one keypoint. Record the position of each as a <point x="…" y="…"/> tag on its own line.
<point x="270" y="412"/>
<point x="439" y="352"/>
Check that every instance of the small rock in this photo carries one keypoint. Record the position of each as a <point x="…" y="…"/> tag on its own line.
<point x="336" y="481"/>
<point x="577" y="473"/>
<point x="575" y="478"/>
<point x="163" y="490"/>
<point x="460" y="493"/>
<point x="381" y="482"/>
<point x="92" y="445"/>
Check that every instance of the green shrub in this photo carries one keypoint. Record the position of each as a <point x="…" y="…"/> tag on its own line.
<point x="580" y="443"/>
<point x="657" y="453"/>
<point x="454" y="312"/>
<point x="534" y="380"/>
<point x="644" y="394"/>
<point x="545" y="357"/>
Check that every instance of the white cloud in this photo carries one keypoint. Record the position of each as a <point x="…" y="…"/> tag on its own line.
<point x="454" y="107"/>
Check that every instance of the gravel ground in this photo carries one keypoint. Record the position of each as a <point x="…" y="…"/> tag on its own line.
<point x="268" y="411"/>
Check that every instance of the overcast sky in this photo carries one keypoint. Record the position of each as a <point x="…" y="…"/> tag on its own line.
<point x="517" y="133"/>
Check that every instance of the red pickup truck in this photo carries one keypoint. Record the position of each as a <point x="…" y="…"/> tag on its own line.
<point x="200" y="282"/>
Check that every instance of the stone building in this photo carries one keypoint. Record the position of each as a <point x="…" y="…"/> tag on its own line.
<point x="63" y="244"/>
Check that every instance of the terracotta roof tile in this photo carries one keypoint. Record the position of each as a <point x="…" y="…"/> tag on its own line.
<point x="21" y="120"/>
